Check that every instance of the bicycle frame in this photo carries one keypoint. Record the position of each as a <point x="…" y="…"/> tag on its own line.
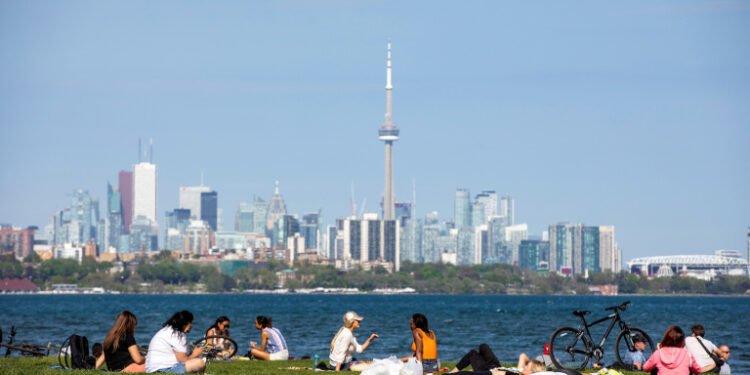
<point x="615" y="317"/>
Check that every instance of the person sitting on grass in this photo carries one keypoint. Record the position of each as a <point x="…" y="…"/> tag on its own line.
<point x="119" y="350"/>
<point x="168" y="350"/>
<point x="272" y="344"/>
<point x="344" y="344"/>
<point x="219" y="328"/>
<point x="672" y="358"/>
<point x="424" y="345"/>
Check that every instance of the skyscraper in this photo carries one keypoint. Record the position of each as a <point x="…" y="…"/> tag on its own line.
<point x="81" y="212"/>
<point x="260" y="215"/>
<point x="144" y="191"/>
<point x="190" y="199"/>
<point x="210" y="208"/>
<point x="125" y="185"/>
<point x="388" y="133"/>
<point x="276" y="208"/>
<point x="463" y="208"/>
<point x="488" y="199"/>
<point x="114" y="218"/>
<point x="507" y="208"/>
<point x="243" y="219"/>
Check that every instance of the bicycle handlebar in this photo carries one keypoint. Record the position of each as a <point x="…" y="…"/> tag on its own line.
<point x="621" y="306"/>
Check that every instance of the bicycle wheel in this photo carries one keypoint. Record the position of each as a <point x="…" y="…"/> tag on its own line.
<point x="220" y="352"/>
<point x="624" y="345"/>
<point x="568" y="347"/>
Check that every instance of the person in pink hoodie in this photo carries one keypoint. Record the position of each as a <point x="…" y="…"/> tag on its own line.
<point x="672" y="358"/>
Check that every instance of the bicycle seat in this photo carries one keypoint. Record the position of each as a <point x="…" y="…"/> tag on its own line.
<point x="581" y="313"/>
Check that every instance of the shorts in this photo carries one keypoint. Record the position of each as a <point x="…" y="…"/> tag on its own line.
<point x="430" y="365"/>
<point x="176" y="369"/>
<point x="281" y="355"/>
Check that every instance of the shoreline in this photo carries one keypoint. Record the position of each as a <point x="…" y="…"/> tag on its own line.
<point x="271" y="292"/>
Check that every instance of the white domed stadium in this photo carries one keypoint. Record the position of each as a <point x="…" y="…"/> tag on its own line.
<point x="706" y="267"/>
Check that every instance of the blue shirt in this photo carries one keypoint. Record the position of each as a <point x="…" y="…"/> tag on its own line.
<point x="634" y="357"/>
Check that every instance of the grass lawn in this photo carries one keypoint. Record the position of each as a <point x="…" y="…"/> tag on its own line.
<point x="13" y="366"/>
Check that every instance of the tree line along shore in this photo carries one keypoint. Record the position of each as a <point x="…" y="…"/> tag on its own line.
<point x="163" y="274"/>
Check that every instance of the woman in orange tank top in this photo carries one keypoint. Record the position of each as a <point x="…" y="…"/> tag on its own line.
<point x="424" y="345"/>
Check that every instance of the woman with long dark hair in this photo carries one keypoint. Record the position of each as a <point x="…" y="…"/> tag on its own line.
<point x="424" y="345"/>
<point x="219" y="328"/>
<point x="272" y="344"/>
<point x="672" y="358"/>
<point x="119" y="350"/>
<point x="168" y="350"/>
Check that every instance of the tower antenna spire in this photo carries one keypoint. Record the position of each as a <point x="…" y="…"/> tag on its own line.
<point x="388" y="133"/>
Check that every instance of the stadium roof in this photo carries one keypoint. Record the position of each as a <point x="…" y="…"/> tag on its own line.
<point x="706" y="260"/>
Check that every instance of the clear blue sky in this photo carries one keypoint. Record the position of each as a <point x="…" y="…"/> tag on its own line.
<point x="632" y="114"/>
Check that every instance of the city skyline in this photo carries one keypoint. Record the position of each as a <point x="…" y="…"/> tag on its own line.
<point x="645" y="135"/>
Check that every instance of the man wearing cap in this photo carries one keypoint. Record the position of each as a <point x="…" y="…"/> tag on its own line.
<point x="636" y="358"/>
<point x="344" y="344"/>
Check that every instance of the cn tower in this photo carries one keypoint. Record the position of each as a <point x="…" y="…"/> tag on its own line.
<point x="388" y="133"/>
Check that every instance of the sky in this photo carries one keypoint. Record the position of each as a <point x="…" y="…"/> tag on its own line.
<point x="634" y="114"/>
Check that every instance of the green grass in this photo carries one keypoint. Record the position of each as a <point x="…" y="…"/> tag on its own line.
<point x="14" y="366"/>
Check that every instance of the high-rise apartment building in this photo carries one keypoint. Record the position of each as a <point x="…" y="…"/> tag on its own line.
<point x="466" y="246"/>
<point x="190" y="199"/>
<point x="534" y="255"/>
<point x="564" y="245"/>
<point x="579" y="248"/>
<point x="514" y="234"/>
<point x="368" y="239"/>
<point x="210" y="209"/>
<point x="507" y="209"/>
<point x="144" y="191"/>
<point x="462" y="209"/>
<point x="125" y="186"/>
<point x="488" y="201"/>
<point x="16" y="240"/>
<point x="81" y="211"/>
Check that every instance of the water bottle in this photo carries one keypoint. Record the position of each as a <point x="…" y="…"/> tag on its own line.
<point x="316" y="359"/>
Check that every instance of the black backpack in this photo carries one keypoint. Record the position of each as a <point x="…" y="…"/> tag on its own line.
<point x="78" y="356"/>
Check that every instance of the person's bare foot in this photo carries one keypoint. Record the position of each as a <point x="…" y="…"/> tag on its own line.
<point x="455" y="369"/>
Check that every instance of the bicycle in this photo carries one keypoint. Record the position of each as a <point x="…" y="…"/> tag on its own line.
<point x="571" y="347"/>
<point x="220" y="352"/>
<point x="25" y="349"/>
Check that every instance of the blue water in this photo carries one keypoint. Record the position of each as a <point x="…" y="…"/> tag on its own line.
<point x="510" y="324"/>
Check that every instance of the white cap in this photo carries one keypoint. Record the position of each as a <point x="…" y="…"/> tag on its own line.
<point x="351" y="315"/>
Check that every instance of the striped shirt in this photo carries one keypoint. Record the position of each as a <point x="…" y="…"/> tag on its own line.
<point x="275" y="341"/>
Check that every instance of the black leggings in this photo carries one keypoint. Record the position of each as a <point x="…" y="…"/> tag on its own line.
<point x="482" y="360"/>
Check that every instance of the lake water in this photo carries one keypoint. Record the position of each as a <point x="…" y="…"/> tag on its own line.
<point x="509" y="324"/>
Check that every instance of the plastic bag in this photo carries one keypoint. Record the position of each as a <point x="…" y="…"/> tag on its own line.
<point x="387" y="366"/>
<point x="393" y="366"/>
<point x="412" y="367"/>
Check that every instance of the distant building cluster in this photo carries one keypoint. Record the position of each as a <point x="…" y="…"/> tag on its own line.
<point x="482" y="230"/>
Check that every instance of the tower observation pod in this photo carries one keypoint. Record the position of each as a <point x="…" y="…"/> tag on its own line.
<point x="388" y="133"/>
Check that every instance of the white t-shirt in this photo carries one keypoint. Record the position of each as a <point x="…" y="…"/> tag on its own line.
<point x="162" y="347"/>
<point x="692" y="345"/>
<point x="346" y="344"/>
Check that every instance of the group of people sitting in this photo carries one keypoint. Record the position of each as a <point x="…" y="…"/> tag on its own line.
<point x="680" y="355"/>
<point x="169" y="352"/>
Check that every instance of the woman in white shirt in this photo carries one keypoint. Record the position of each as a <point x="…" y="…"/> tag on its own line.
<point x="168" y="350"/>
<point x="344" y="344"/>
